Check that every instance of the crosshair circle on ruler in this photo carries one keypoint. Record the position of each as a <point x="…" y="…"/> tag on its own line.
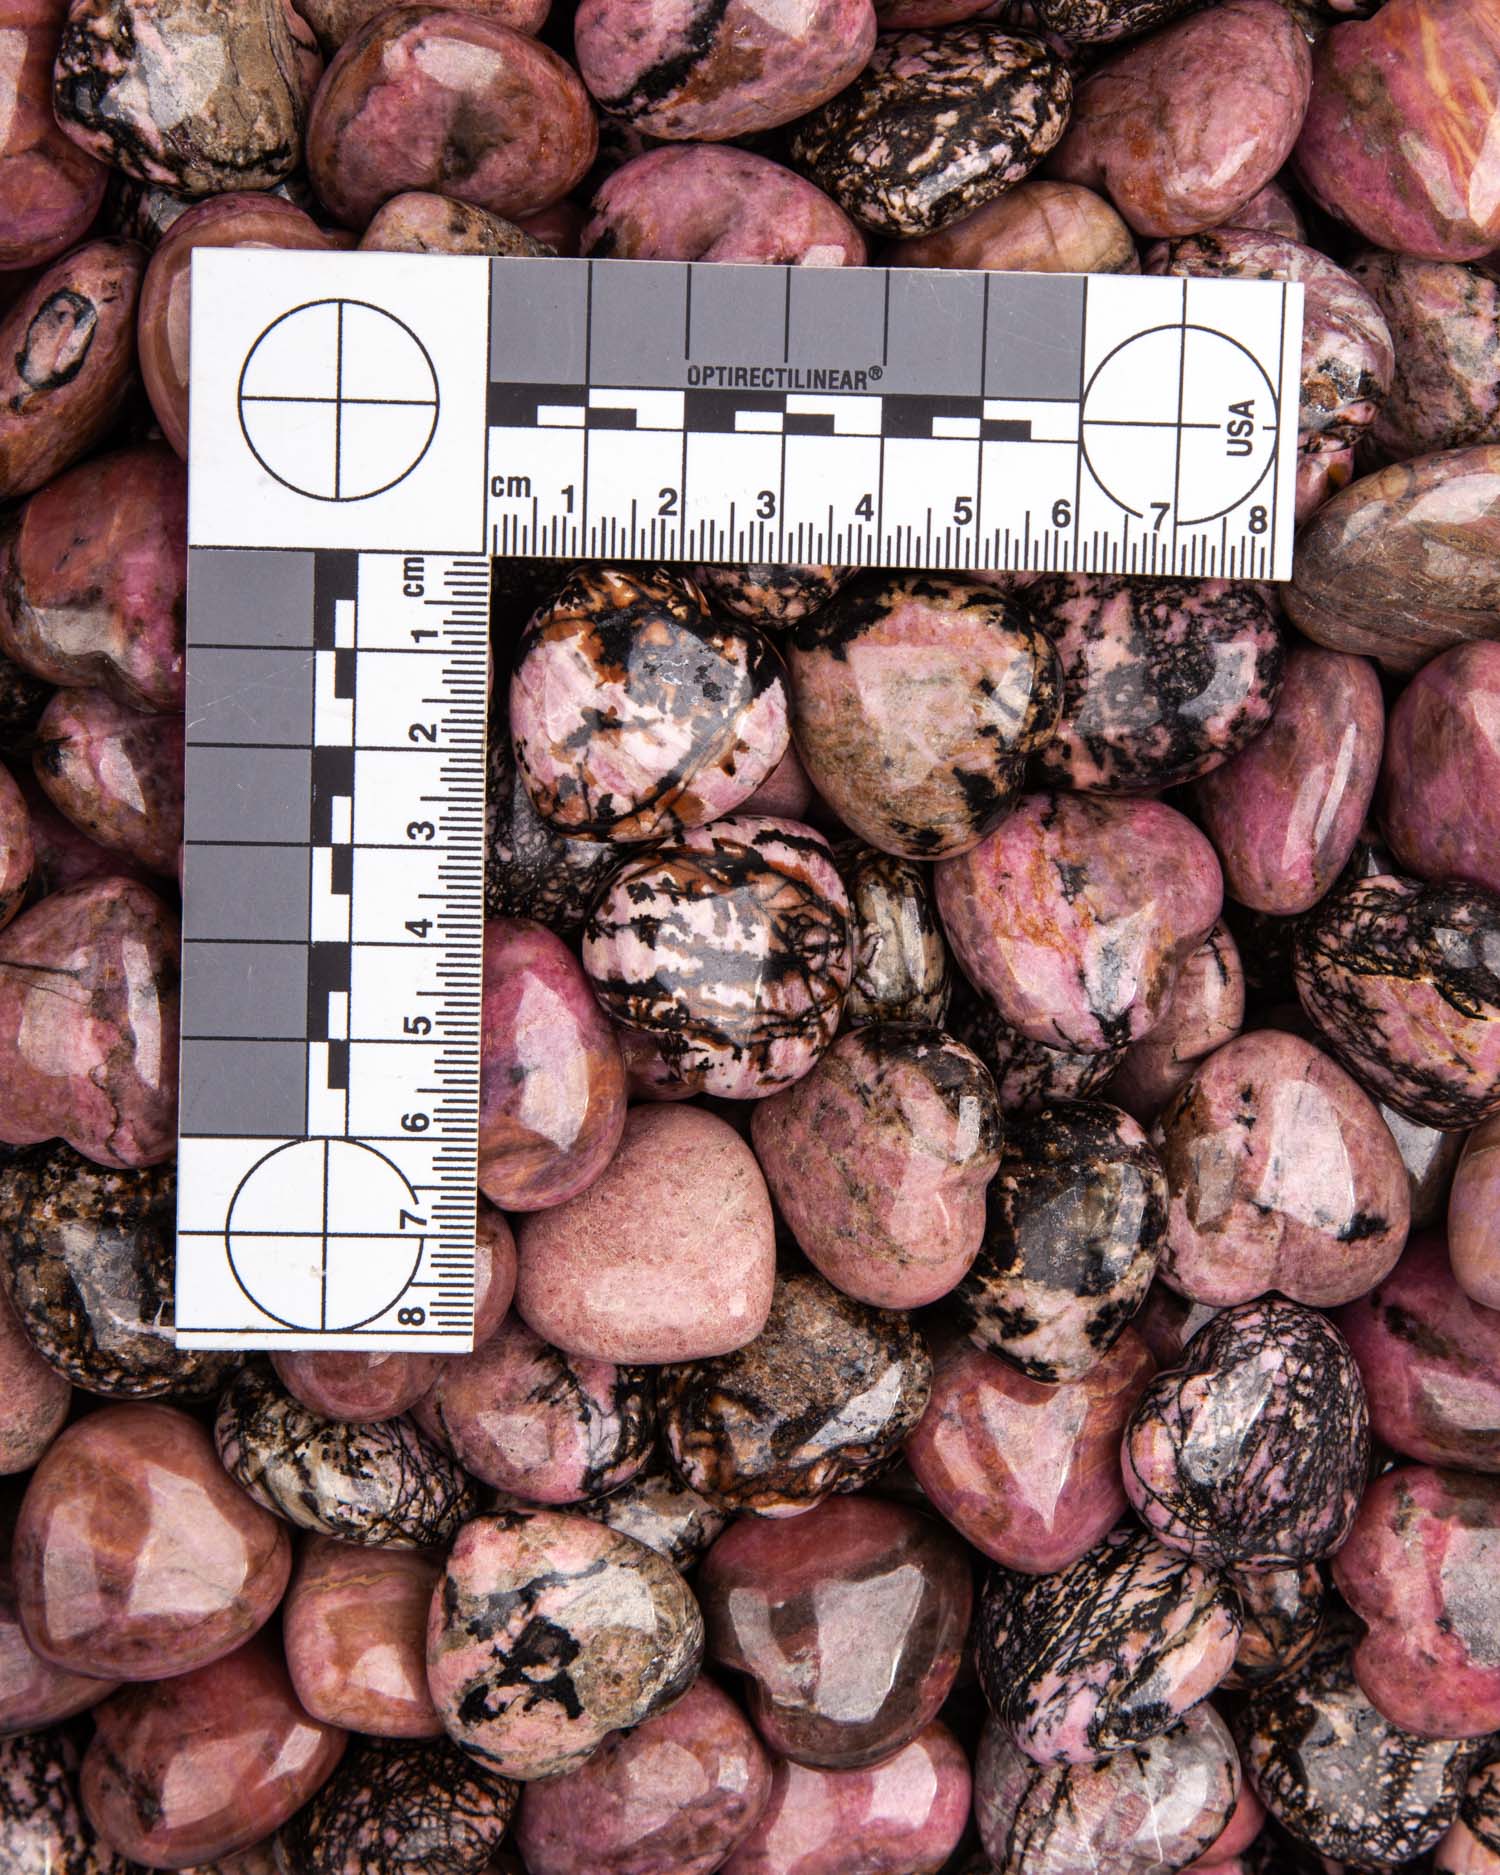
<point x="338" y="400"/>
<point x="1179" y="417"/>
<point x="287" y="1260"/>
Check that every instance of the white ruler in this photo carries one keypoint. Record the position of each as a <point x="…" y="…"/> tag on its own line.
<point x="367" y="430"/>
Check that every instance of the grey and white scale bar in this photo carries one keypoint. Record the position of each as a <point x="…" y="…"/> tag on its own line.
<point x="367" y="431"/>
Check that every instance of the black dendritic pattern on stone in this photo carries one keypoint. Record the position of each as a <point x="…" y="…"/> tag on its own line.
<point x="1027" y="1074"/>
<point x="771" y="595"/>
<point x="1338" y="1775"/>
<point x="1282" y="1611"/>
<point x="658" y="1509"/>
<point x="91" y="1274"/>
<point x="1091" y="22"/>
<point x="533" y="1648"/>
<point x="818" y="1403"/>
<point x="1479" y="1807"/>
<point x="712" y="926"/>
<point x="383" y="1484"/>
<point x="685" y="676"/>
<point x="1174" y="699"/>
<point x="1270" y="1435"/>
<point x="1076" y="1207"/>
<point x="43" y="1830"/>
<point x="531" y="870"/>
<point x="1378" y="934"/>
<point x="902" y="971"/>
<point x="1105" y="1636"/>
<point x="396" y="1807"/>
<point x="935" y="125"/>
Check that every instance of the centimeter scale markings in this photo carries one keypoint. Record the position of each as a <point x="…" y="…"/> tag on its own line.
<point x="367" y="431"/>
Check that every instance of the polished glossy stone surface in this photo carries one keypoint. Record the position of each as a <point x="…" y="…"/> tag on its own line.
<point x="1077" y="913"/>
<point x="1207" y="1009"/>
<point x="34" y="1398"/>
<point x="33" y="1692"/>
<point x="903" y="1817"/>
<point x="334" y="20"/>
<point x="771" y="595"/>
<point x="878" y="1161"/>
<point x="384" y="1484"/>
<point x="99" y="1066"/>
<point x="1181" y="129"/>
<point x="636" y="714"/>
<point x="1284" y="813"/>
<point x="710" y="72"/>
<point x="1441" y="774"/>
<point x="419" y="223"/>
<point x="1037" y="227"/>
<point x="540" y="1424"/>
<point x="164" y="328"/>
<point x="1431" y="1362"/>
<point x="195" y="1768"/>
<point x="50" y="189"/>
<point x="848" y="1624"/>
<point x="728" y="952"/>
<point x="552" y="1084"/>
<point x="709" y="201"/>
<point x="1347" y="353"/>
<point x="198" y="95"/>
<point x="67" y="351"/>
<point x="1473" y="1240"/>
<point x="1396" y="139"/>
<point x="365" y="1387"/>
<point x="818" y="1403"/>
<point x="916" y="699"/>
<point x="93" y="578"/>
<point x="116" y="774"/>
<point x="400" y="1808"/>
<point x="659" y="1510"/>
<point x="1105" y="1654"/>
<point x="548" y="1632"/>
<point x="1252" y="1453"/>
<point x="1139" y="1812"/>
<point x="1402" y="981"/>
<point x="901" y="968"/>
<point x="935" y="125"/>
<point x="1422" y="1571"/>
<point x="1162" y="679"/>
<point x="1027" y="1473"/>
<point x="1445" y="320"/>
<point x="1283" y="1612"/>
<point x="1340" y="1777"/>
<point x="669" y="1255"/>
<point x="1281" y="1175"/>
<point x="43" y="1830"/>
<point x="1402" y="563"/>
<point x="531" y="870"/>
<point x="354" y="1625"/>
<point x="136" y="1555"/>
<point x="419" y="97"/>
<point x="672" y="1797"/>
<point x="1074" y="1224"/>
<point x="92" y="1260"/>
<point x="1028" y="1075"/>
<point x="1472" y="1844"/>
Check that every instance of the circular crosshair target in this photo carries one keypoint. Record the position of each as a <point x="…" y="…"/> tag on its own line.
<point x="1180" y="419"/>
<point x="338" y="400"/>
<point x="324" y="1234"/>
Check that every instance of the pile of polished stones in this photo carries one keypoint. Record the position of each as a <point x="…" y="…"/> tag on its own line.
<point x="989" y="1266"/>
